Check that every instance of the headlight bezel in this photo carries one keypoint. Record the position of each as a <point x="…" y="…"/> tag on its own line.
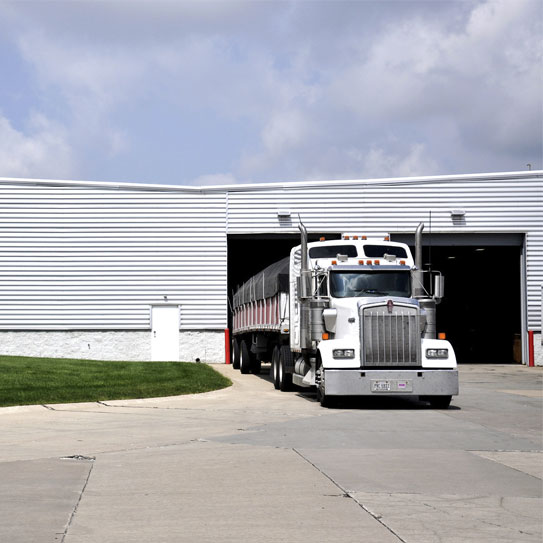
<point x="434" y="353"/>
<point x="343" y="353"/>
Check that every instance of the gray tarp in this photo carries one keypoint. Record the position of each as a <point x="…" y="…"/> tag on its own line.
<point x="264" y="284"/>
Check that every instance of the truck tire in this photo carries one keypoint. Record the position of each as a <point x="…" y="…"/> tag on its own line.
<point x="440" y="402"/>
<point x="235" y="355"/>
<point x="275" y="367"/>
<point x="285" y="361"/>
<point x="322" y="398"/>
<point x="245" y="358"/>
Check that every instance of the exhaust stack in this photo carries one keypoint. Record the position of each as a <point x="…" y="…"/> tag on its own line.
<point x="418" y="289"/>
<point x="427" y="303"/>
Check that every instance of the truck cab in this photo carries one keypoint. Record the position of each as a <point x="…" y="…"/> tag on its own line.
<point x="374" y="335"/>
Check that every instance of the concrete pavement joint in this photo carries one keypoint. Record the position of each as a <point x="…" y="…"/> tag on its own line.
<point x="347" y="494"/>
<point x="70" y="520"/>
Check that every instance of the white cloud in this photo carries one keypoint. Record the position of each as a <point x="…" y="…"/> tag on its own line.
<point x="42" y="152"/>
<point x="291" y="91"/>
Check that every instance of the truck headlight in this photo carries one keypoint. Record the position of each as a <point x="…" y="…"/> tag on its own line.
<point x="343" y="353"/>
<point x="437" y="353"/>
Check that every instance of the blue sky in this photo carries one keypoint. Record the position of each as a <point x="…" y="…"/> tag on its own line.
<point x="213" y="92"/>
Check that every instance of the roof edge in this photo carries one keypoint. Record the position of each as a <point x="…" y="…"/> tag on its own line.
<point x="110" y="185"/>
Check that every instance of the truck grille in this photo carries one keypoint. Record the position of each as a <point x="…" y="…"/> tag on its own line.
<point x="390" y="336"/>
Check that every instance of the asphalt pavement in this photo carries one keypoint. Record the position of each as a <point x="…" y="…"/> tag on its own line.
<point x="250" y="463"/>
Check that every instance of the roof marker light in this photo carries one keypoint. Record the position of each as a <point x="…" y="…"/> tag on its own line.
<point x="387" y="238"/>
<point x="334" y="262"/>
<point x="364" y="237"/>
<point x="355" y="237"/>
<point x="442" y="335"/>
<point x="402" y="262"/>
<point x="376" y="262"/>
<point x="345" y="237"/>
<point x="325" y="336"/>
<point x="368" y="262"/>
<point x="322" y="239"/>
<point x="361" y="262"/>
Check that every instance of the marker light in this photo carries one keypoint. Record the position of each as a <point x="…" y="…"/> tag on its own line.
<point x="355" y="237"/>
<point x="361" y="262"/>
<point x="387" y="238"/>
<point x="345" y="237"/>
<point x="402" y="262"/>
<point x="437" y="353"/>
<point x="364" y="237"/>
<point x="343" y="353"/>
<point x="376" y="262"/>
<point x="442" y="335"/>
<point x="368" y="262"/>
<point x="334" y="262"/>
<point x="323" y="239"/>
<point x="326" y="336"/>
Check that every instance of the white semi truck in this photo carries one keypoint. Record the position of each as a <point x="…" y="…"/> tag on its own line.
<point x="350" y="317"/>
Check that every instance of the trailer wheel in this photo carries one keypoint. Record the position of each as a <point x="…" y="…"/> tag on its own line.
<point x="440" y="402"/>
<point x="235" y="355"/>
<point x="245" y="358"/>
<point x="275" y="367"/>
<point x="285" y="359"/>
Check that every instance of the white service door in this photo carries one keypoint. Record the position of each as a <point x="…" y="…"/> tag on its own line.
<point x="165" y="333"/>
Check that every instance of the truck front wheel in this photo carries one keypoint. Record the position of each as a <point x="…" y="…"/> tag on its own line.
<point x="322" y="398"/>
<point x="440" y="402"/>
<point x="245" y="358"/>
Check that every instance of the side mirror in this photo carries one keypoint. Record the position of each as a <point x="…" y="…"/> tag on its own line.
<point x="330" y="318"/>
<point x="439" y="287"/>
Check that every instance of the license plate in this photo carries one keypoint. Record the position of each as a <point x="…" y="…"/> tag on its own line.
<point x="380" y="386"/>
<point x="392" y="385"/>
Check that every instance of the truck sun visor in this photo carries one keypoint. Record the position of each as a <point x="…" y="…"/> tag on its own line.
<point x="379" y="251"/>
<point x="331" y="251"/>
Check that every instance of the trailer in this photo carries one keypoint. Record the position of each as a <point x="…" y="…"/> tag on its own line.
<point x="350" y="317"/>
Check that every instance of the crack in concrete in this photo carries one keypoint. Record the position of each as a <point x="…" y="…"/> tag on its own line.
<point x="347" y="494"/>
<point x="74" y="511"/>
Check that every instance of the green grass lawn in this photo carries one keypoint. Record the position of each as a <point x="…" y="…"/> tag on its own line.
<point x="26" y="381"/>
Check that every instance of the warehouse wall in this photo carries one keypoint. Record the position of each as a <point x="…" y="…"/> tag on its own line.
<point x="83" y="256"/>
<point x="80" y="257"/>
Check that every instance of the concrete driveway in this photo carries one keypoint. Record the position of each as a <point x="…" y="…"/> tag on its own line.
<point x="250" y="463"/>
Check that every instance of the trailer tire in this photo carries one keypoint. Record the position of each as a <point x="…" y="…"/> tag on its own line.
<point x="235" y="355"/>
<point x="440" y="402"/>
<point x="245" y="358"/>
<point x="285" y="360"/>
<point x="275" y="367"/>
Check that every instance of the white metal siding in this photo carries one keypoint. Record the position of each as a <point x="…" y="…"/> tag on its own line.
<point x="501" y="204"/>
<point x="83" y="257"/>
<point x="76" y="255"/>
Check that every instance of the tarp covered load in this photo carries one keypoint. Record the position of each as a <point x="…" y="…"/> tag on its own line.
<point x="265" y="284"/>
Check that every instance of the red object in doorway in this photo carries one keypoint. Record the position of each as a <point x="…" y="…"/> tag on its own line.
<point x="227" y="345"/>
<point x="531" y="348"/>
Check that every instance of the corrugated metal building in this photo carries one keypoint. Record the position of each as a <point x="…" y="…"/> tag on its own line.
<point x="96" y="270"/>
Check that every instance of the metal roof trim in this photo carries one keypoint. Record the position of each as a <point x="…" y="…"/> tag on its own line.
<point x="293" y="185"/>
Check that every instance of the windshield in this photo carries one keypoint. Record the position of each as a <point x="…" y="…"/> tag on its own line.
<point x="357" y="284"/>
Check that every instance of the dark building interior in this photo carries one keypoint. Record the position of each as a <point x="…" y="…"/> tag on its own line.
<point x="480" y="313"/>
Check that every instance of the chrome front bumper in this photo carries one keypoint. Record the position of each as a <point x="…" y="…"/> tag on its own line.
<point x="416" y="382"/>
